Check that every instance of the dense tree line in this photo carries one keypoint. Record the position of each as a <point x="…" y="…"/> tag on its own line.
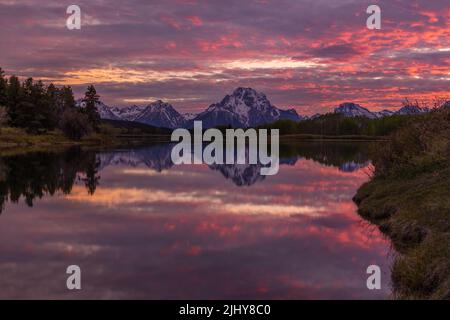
<point x="338" y="125"/>
<point x="39" y="108"/>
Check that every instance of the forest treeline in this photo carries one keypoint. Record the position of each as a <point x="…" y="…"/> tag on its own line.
<point x="333" y="124"/>
<point x="38" y="108"/>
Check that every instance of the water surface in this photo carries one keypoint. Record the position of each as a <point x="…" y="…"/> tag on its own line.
<point x="140" y="227"/>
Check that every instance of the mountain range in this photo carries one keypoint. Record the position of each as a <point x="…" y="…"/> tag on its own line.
<point x="244" y="107"/>
<point x="350" y="109"/>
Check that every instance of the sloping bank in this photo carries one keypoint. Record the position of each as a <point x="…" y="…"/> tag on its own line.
<point x="17" y="140"/>
<point x="409" y="199"/>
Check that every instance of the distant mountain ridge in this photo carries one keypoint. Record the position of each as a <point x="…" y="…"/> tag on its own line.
<point x="161" y="114"/>
<point x="129" y="113"/>
<point x="349" y="109"/>
<point x="244" y="107"/>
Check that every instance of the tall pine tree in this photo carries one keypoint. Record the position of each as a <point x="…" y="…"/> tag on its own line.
<point x="67" y="98"/>
<point x="91" y="98"/>
<point x="28" y="115"/>
<point x="13" y="97"/>
<point x="3" y="88"/>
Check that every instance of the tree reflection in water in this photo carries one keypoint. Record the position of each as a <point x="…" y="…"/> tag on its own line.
<point x="33" y="175"/>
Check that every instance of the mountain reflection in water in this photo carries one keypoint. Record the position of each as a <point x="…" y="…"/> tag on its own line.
<point x="141" y="227"/>
<point x="346" y="157"/>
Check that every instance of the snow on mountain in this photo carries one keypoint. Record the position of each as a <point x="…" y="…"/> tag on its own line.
<point x="383" y="113"/>
<point x="411" y="109"/>
<point x="314" y="116"/>
<point x="158" y="114"/>
<point x="245" y="107"/>
<point x="355" y="110"/>
<point x="129" y="113"/>
<point x="161" y="114"/>
<point x="351" y="110"/>
<point x="104" y="111"/>
<point x="189" y="116"/>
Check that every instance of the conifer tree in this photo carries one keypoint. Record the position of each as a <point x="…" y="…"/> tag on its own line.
<point x="3" y="88"/>
<point x="91" y="99"/>
<point x="13" y="97"/>
<point x="67" y="98"/>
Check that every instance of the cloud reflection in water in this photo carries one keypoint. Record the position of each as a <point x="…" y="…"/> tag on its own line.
<point x="153" y="230"/>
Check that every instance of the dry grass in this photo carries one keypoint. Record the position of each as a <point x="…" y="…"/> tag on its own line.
<point x="409" y="198"/>
<point x="16" y="140"/>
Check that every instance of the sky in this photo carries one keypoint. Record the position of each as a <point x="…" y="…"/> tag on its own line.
<point x="309" y="55"/>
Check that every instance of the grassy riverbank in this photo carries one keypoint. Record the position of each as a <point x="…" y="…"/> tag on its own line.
<point x="17" y="140"/>
<point x="111" y="134"/>
<point x="409" y="198"/>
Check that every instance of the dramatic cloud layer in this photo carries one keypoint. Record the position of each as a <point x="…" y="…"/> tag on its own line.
<point x="307" y="54"/>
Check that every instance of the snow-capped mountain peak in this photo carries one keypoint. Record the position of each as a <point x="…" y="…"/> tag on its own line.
<point x="161" y="114"/>
<point x="411" y="109"/>
<point x="129" y="113"/>
<point x="350" y="109"/>
<point x="244" y="107"/>
<point x="383" y="113"/>
<point x="242" y="100"/>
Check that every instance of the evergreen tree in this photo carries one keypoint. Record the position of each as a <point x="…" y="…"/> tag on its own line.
<point x="3" y="88"/>
<point x="67" y="98"/>
<point x="60" y="99"/>
<point x="34" y="109"/>
<point x="13" y="98"/>
<point x="27" y="114"/>
<point x="45" y="106"/>
<point x="91" y="99"/>
<point x="52" y="93"/>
